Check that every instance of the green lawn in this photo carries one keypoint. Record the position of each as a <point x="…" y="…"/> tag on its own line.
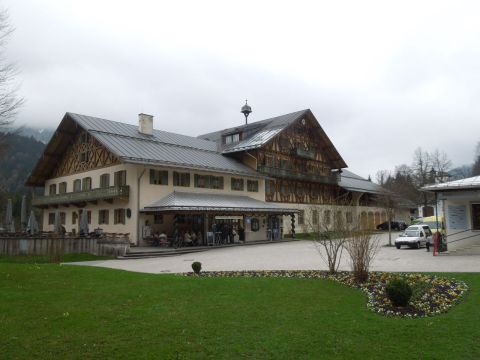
<point x="50" y="311"/>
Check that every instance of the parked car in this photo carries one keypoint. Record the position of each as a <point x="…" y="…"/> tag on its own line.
<point x="415" y="236"/>
<point x="395" y="225"/>
<point x="431" y="221"/>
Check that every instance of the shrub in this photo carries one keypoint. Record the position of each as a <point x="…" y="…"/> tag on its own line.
<point x="197" y="267"/>
<point x="399" y="292"/>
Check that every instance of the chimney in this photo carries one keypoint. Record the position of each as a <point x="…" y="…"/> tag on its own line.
<point x="145" y="124"/>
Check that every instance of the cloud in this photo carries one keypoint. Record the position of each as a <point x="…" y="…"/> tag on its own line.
<point x="381" y="79"/>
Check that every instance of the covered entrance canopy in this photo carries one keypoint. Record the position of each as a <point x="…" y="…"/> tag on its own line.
<point x="184" y="201"/>
<point x="220" y="213"/>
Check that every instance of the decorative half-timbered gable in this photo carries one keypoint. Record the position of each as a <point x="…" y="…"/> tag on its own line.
<point x="86" y="153"/>
<point x="294" y="153"/>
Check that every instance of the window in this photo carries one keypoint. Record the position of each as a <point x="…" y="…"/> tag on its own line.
<point x="208" y="181"/>
<point x="105" y="180"/>
<point x="77" y="185"/>
<point x="63" y="218"/>
<point x="270" y="187"/>
<point x="181" y="179"/>
<point x="119" y="216"/>
<point x="83" y="157"/>
<point x="84" y="138"/>
<point x="158" y="219"/>
<point x="338" y="219"/>
<point x="52" y="189"/>
<point x="158" y="177"/>
<point x="89" y="216"/>
<point x="314" y="217"/>
<point x="326" y="217"/>
<point x="51" y="218"/>
<point x="252" y="185"/>
<point x="120" y="178"/>
<point x="237" y="184"/>
<point x="74" y="218"/>
<point x="87" y="184"/>
<point x="233" y="138"/>
<point x="103" y="217"/>
<point x="217" y="182"/>
<point x="62" y="188"/>
<point x="255" y="224"/>
<point x="475" y="216"/>
<point x="349" y="217"/>
<point x="301" y="217"/>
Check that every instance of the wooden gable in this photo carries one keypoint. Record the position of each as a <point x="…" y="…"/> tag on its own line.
<point x="70" y="150"/>
<point x="85" y="153"/>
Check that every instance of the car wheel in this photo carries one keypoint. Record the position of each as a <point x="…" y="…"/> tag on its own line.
<point x="398" y="246"/>
<point x="418" y="245"/>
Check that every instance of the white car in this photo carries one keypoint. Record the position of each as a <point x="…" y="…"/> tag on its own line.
<point x="415" y="236"/>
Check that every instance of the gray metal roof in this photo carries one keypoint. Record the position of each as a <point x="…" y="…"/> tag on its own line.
<point x="161" y="148"/>
<point x="185" y="201"/>
<point x="354" y="182"/>
<point x="257" y="133"/>
<point x="468" y="183"/>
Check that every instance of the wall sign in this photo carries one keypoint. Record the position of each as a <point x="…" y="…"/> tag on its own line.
<point x="457" y="217"/>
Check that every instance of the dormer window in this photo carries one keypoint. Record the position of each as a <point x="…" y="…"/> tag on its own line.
<point x="232" y="138"/>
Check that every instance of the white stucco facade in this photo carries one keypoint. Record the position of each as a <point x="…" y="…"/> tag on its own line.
<point x="141" y="193"/>
<point x="461" y="230"/>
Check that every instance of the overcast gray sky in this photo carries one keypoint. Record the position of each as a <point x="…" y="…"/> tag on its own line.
<point x="382" y="77"/>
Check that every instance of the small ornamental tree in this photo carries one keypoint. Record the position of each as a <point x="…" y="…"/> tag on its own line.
<point x="399" y="292"/>
<point x="197" y="267"/>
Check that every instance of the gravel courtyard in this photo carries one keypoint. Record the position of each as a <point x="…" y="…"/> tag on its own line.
<point x="295" y="255"/>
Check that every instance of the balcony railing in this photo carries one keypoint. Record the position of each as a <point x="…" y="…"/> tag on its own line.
<point x="107" y="193"/>
<point x="290" y="174"/>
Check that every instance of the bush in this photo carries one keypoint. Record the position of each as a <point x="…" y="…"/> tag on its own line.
<point x="399" y="292"/>
<point x="197" y="267"/>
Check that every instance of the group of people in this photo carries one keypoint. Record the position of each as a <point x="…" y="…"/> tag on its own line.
<point x="225" y="233"/>
<point x="190" y="238"/>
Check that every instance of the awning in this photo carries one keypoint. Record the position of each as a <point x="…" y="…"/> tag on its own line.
<point x="184" y="201"/>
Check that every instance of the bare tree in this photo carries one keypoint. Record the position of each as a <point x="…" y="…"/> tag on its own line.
<point x="9" y="100"/>
<point x="331" y="226"/>
<point x="441" y="165"/>
<point x="362" y="248"/>
<point x="389" y="202"/>
<point x="382" y="176"/>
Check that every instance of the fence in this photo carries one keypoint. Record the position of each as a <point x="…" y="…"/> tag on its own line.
<point x="49" y="244"/>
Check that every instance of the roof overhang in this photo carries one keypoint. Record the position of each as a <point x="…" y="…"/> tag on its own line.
<point x="204" y="202"/>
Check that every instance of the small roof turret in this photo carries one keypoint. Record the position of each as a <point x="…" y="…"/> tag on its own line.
<point x="246" y="110"/>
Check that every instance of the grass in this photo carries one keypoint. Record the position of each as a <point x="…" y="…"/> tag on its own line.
<point x="43" y="259"/>
<point x="50" y="311"/>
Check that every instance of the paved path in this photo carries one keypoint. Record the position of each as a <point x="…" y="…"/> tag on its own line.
<point x="298" y="255"/>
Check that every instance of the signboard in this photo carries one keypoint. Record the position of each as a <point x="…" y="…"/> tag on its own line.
<point x="210" y="239"/>
<point x="229" y="217"/>
<point x="457" y="217"/>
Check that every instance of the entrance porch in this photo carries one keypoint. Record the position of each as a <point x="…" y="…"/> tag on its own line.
<point x="183" y="219"/>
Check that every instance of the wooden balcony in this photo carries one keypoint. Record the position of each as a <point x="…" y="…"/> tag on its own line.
<point x="291" y="174"/>
<point x="82" y="197"/>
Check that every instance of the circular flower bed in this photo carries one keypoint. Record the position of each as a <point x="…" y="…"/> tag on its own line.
<point x="431" y="295"/>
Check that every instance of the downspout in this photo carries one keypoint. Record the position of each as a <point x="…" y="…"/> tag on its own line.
<point x="138" y="203"/>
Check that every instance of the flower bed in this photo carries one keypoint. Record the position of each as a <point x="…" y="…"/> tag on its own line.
<point x="431" y="295"/>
